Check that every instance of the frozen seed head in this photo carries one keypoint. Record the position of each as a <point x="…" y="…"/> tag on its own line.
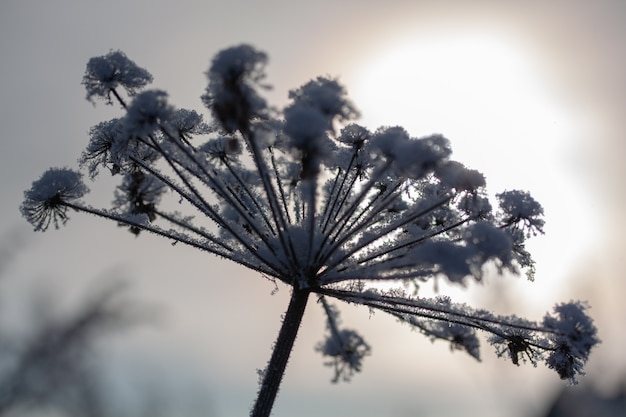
<point x="222" y="149"/>
<point x="489" y="243"/>
<point x="354" y="135"/>
<point x="327" y="96"/>
<point x="455" y="175"/>
<point x="306" y="128"/>
<point x="231" y="95"/>
<point x="45" y="202"/>
<point x="105" y="73"/>
<point x="148" y="112"/>
<point x="575" y="336"/>
<point x="413" y="158"/>
<point x="102" y="138"/>
<point x="308" y="120"/>
<point x="186" y="123"/>
<point x="346" y="349"/>
<point x="138" y="194"/>
<point x="417" y="157"/>
<point x="522" y="211"/>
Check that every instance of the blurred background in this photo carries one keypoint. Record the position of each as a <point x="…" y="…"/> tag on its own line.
<point x="532" y="94"/>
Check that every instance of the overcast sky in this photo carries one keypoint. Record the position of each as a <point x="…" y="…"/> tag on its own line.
<point x="531" y="93"/>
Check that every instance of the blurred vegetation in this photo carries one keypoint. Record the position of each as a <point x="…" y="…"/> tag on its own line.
<point x="55" y="364"/>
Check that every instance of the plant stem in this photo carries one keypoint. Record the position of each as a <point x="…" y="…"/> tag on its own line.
<point x="282" y="349"/>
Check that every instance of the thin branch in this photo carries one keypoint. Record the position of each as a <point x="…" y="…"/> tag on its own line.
<point x="402" y="305"/>
<point x="177" y="237"/>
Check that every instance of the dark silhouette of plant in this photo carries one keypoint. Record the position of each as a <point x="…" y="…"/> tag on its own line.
<point x="53" y="367"/>
<point x="56" y="361"/>
<point x="309" y="198"/>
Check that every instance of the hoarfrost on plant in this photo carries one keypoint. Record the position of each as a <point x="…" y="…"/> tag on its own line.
<point x="308" y="197"/>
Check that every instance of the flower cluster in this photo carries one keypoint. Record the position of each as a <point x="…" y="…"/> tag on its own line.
<point x="49" y="197"/>
<point x="106" y="73"/>
<point x="231" y="93"/>
<point x="310" y="198"/>
<point x="345" y="347"/>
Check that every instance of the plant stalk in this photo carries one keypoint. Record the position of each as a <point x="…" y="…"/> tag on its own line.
<point x="282" y="349"/>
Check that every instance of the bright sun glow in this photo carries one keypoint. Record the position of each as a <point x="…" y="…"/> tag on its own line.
<point x="487" y="96"/>
<point x="479" y="92"/>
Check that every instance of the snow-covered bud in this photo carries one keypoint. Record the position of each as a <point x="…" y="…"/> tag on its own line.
<point x="230" y="94"/>
<point x="45" y="202"/>
<point x="306" y="127"/>
<point x="412" y="158"/>
<point x="223" y="148"/>
<point x="574" y="337"/>
<point x="148" y="111"/>
<point x="476" y="206"/>
<point x="482" y="242"/>
<point x="185" y="123"/>
<point x="522" y="211"/>
<point x="98" y="152"/>
<point x="417" y="157"/>
<point x="347" y="349"/>
<point x="454" y="175"/>
<point x="105" y="73"/>
<point x="120" y="141"/>
<point x="354" y="135"/>
<point x="450" y="259"/>
<point x="489" y="243"/>
<point x="386" y="140"/>
<point x="327" y="96"/>
<point x="138" y="194"/>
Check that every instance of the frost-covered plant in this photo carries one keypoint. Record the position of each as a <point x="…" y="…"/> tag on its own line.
<point x="307" y="197"/>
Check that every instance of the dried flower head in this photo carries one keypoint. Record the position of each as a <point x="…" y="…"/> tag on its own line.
<point x="106" y="73"/>
<point x="231" y="94"/>
<point x="48" y="198"/>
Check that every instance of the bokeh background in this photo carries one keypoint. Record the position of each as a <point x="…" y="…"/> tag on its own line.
<point x="531" y="93"/>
